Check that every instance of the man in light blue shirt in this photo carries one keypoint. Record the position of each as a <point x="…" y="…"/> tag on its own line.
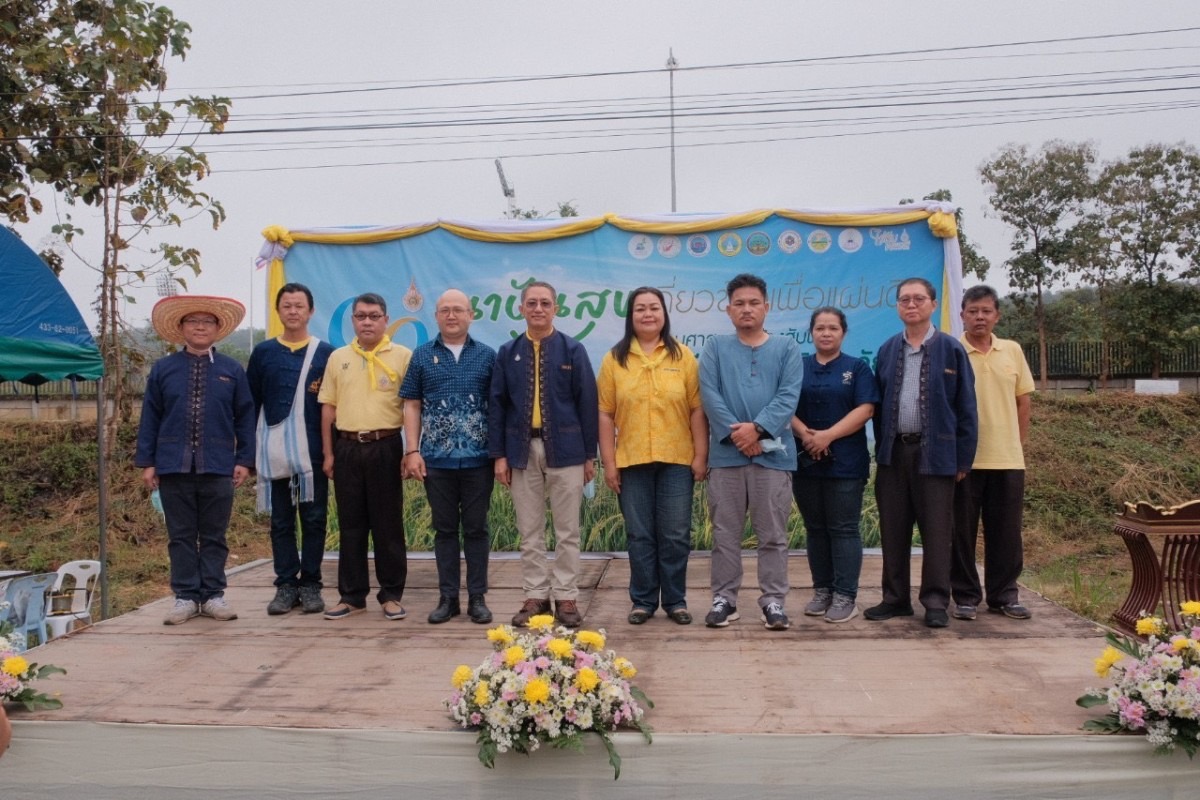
<point x="749" y="384"/>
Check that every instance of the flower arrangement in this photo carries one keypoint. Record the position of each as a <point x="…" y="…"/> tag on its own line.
<point x="17" y="672"/>
<point x="1158" y="693"/>
<point x="547" y="685"/>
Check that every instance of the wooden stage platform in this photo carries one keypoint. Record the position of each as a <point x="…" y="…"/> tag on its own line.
<point x="716" y="690"/>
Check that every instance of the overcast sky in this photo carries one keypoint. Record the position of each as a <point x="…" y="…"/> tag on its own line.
<point x="404" y="107"/>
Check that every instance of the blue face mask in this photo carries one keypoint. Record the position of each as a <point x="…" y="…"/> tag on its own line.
<point x="156" y="503"/>
<point x="589" y="489"/>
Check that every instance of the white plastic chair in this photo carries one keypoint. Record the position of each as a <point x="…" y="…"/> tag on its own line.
<point x="79" y="579"/>
<point x="27" y="605"/>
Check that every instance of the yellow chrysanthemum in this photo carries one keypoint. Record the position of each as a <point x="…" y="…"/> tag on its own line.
<point x="500" y="634"/>
<point x="587" y="679"/>
<point x="537" y="691"/>
<point x="560" y="648"/>
<point x="14" y="665"/>
<point x="514" y="655"/>
<point x="1180" y="643"/>
<point x="483" y="695"/>
<point x="1190" y="607"/>
<point x="462" y="674"/>
<point x="1104" y="663"/>
<point x="541" y="622"/>
<point x="590" y="639"/>
<point x="625" y="668"/>
<point x="1147" y="626"/>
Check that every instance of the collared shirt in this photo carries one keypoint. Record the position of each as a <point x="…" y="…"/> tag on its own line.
<point x="273" y="371"/>
<point x="360" y="405"/>
<point x="651" y="400"/>
<point x="910" y="389"/>
<point x="1001" y="376"/>
<point x="454" y="402"/>
<point x="830" y="392"/>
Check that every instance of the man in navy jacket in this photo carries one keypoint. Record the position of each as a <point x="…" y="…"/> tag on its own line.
<point x="543" y="427"/>
<point x="196" y="445"/>
<point x="926" y="429"/>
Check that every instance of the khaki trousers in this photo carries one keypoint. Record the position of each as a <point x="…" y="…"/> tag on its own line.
<point x="530" y="489"/>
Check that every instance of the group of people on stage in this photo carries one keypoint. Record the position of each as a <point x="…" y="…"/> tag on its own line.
<point x="757" y="419"/>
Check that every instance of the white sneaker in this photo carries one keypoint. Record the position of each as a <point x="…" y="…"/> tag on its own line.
<point x="181" y="612"/>
<point x="217" y="608"/>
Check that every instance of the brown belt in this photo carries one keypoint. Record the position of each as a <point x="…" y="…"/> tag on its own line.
<point x="362" y="437"/>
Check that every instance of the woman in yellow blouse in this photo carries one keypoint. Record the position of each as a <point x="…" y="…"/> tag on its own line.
<point x="654" y="446"/>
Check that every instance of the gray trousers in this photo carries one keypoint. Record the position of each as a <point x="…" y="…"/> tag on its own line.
<point x="766" y="494"/>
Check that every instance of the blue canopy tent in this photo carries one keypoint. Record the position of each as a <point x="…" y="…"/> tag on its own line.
<point x="43" y="338"/>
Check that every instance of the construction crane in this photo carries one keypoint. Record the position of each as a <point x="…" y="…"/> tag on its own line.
<point x="508" y="190"/>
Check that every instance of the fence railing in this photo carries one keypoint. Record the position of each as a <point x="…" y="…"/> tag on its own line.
<point x="1125" y="360"/>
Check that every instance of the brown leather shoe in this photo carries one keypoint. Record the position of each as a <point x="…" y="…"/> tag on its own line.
<point x="531" y="608"/>
<point x="567" y="613"/>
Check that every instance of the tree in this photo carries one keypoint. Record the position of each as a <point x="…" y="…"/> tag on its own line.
<point x="563" y="209"/>
<point x="81" y="85"/>
<point x="1043" y="196"/>
<point x="1149" y="204"/>
<point x="973" y="262"/>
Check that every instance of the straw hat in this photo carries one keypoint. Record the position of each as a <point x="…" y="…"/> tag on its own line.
<point x="167" y="316"/>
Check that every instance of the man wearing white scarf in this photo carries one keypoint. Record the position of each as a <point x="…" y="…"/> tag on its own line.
<point x="285" y="375"/>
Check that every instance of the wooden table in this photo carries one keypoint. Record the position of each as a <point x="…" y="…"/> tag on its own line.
<point x="1164" y="546"/>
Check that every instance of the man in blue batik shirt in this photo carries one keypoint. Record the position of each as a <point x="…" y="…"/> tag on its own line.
<point x="445" y="392"/>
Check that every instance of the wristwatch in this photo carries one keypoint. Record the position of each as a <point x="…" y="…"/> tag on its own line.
<point x="762" y="432"/>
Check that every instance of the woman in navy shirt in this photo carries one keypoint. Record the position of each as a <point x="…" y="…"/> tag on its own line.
<point x="836" y="401"/>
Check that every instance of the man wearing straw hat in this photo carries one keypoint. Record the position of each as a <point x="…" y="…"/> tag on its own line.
<point x="196" y="445"/>
<point x="285" y="375"/>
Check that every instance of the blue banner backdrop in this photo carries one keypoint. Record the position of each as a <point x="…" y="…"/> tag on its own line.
<point x="805" y="266"/>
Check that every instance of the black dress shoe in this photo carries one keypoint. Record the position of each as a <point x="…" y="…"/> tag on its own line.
<point x="447" y="607"/>
<point x="887" y="611"/>
<point x="477" y="610"/>
<point x="936" y="618"/>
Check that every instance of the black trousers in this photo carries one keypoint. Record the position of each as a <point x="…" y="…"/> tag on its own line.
<point x="997" y="496"/>
<point x="460" y="496"/>
<point x="905" y="497"/>
<point x="370" y="502"/>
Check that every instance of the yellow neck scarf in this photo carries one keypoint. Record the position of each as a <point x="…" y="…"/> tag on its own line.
<point x="372" y="358"/>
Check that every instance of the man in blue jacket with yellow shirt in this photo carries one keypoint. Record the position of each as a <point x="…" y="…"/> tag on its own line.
<point x="926" y="429"/>
<point x="543" y="428"/>
<point x="196" y="445"/>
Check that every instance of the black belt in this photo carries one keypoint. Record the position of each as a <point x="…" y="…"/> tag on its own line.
<point x="909" y="438"/>
<point x="362" y="437"/>
<point x="536" y="433"/>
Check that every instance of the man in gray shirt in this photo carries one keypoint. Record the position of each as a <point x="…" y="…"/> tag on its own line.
<point x="749" y="385"/>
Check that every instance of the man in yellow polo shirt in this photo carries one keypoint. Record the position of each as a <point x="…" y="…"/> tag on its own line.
<point x="362" y="416"/>
<point x="994" y="489"/>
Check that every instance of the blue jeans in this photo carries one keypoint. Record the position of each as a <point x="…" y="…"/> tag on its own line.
<point x="656" y="501"/>
<point x="460" y="495"/>
<point x="299" y="566"/>
<point x="831" y="508"/>
<point x="197" y="509"/>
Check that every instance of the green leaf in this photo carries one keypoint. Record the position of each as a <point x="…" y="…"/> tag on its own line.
<point x="1091" y="700"/>
<point x="1109" y="723"/>
<point x="614" y="757"/>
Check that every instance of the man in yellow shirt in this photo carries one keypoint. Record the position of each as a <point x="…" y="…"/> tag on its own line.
<point x="362" y="416"/>
<point x="994" y="489"/>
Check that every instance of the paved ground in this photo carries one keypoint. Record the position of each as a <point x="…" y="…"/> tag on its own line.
<point x="993" y="675"/>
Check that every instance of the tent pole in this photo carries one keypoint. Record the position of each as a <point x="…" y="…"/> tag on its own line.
<point x="103" y="477"/>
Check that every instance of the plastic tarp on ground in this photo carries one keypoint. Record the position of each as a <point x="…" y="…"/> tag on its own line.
<point x="42" y="334"/>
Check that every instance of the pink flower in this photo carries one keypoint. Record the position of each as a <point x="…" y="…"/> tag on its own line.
<point x="1132" y="714"/>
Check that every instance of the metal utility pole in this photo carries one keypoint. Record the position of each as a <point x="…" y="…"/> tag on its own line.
<point x="508" y="190"/>
<point x="672" y="65"/>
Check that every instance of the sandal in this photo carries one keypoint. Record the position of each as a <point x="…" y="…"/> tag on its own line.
<point x="680" y="615"/>
<point x="639" y="615"/>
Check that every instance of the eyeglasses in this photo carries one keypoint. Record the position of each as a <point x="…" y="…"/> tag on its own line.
<point x="912" y="299"/>
<point x="534" y="303"/>
<point x="200" y="321"/>
<point x="453" y="311"/>
<point x="374" y="316"/>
